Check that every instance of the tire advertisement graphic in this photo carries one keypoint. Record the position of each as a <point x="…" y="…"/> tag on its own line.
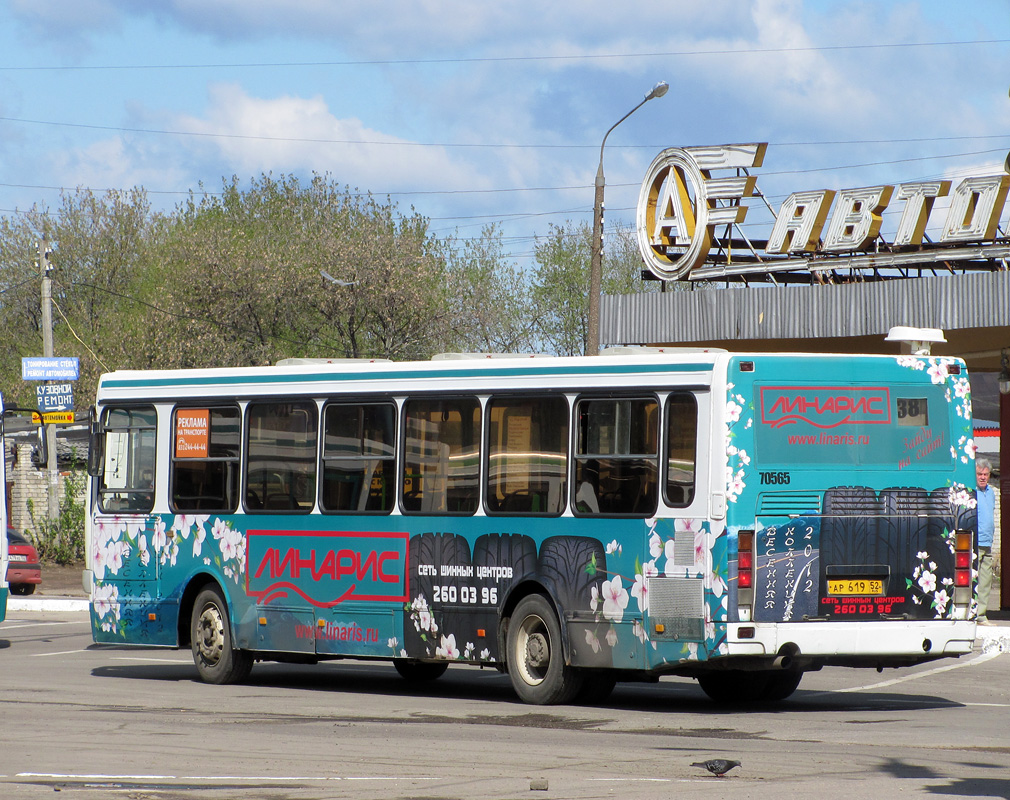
<point x="866" y="555"/>
<point x="456" y="597"/>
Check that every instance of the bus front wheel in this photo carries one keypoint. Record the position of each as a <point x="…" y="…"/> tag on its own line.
<point x="216" y="660"/>
<point x="536" y="660"/>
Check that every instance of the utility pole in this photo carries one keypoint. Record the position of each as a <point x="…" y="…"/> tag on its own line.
<point x="52" y="466"/>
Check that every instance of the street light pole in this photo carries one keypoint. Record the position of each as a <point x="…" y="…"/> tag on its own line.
<point x="596" y="259"/>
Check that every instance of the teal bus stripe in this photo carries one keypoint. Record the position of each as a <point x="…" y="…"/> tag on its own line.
<point x="208" y="380"/>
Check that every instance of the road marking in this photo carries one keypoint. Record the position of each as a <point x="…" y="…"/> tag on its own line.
<point x="61" y="653"/>
<point x="186" y="660"/>
<point x="70" y="776"/>
<point x="893" y="681"/>
<point x="647" y="780"/>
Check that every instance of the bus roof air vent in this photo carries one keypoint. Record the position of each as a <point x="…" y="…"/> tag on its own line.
<point x="637" y="350"/>
<point x="463" y="356"/>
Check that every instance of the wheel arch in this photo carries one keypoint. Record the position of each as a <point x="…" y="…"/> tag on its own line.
<point x="197" y="584"/>
<point x="515" y="596"/>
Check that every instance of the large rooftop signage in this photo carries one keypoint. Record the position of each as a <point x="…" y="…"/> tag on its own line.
<point x="687" y="198"/>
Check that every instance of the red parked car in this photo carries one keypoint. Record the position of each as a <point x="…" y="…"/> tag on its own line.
<point x="24" y="572"/>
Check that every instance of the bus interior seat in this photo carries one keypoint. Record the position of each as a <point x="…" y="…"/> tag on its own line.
<point x="586" y="500"/>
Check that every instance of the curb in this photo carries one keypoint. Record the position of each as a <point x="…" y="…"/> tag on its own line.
<point x="48" y="604"/>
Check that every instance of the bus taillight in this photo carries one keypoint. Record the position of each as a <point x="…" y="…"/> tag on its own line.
<point x="963" y="555"/>
<point x="745" y="575"/>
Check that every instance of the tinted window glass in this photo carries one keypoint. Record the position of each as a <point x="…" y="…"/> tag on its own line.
<point x="205" y="459"/>
<point x="441" y="466"/>
<point x="359" y="457"/>
<point x="127" y="481"/>
<point x="527" y="455"/>
<point x="616" y="459"/>
<point x="281" y="460"/>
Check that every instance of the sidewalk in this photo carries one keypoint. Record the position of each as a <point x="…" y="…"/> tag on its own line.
<point x="62" y="589"/>
<point x="42" y="603"/>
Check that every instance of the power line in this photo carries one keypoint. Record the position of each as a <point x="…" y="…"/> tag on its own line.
<point x="734" y="51"/>
<point x="458" y="145"/>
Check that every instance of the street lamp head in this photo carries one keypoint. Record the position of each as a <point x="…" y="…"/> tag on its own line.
<point x="658" y="90"/>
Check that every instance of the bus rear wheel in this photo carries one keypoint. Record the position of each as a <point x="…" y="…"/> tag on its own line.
<point x="210" y="633"/>
<point x="734" y="686"/>
<point x="419" y="671"/>
<point x="536" y="660"/>
<point x="744" y="686"/>
<point x="597" y="686"/>
<point x="781" y="684"/>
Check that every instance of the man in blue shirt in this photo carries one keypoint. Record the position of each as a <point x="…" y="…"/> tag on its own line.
<point x="985" y="497"/>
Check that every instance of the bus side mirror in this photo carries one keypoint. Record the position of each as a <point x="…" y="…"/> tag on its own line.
<point x="95" y="454"/>
<point x="40" y="452"/>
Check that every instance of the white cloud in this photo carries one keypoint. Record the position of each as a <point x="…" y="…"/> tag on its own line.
<point x="251" y="135"/>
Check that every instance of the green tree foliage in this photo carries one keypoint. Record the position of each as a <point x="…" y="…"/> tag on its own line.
<point x="561" y="281"/>
<point x="489" y="296"/>
<point x="100" y="246"/>
<point x="235" y="277"/>
<point x="61" y="540"/>
<point x="242" y="277"/>
<point x="560" y="286"/>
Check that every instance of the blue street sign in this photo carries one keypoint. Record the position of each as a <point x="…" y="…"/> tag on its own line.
<point x="55" y="397"/>
<point x="50" y="369"/>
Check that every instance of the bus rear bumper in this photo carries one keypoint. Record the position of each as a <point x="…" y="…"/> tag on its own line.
<point x="842" y="642"/>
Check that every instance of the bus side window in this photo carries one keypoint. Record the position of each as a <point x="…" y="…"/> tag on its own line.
<point x="281" y="456"/>
<point x="617" y="456"/>
<point x="527" y="455"/>
<point x="681" y="444"/>
<point x="205" y="459"/>
<point x="359" y="457"/>
<point x="441" y="456"/>
<point x="127" y="482"/>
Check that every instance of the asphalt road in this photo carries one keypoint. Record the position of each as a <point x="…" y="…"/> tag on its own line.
<point x="94" y="722"/>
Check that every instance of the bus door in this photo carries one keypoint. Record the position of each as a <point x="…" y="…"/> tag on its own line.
<point x="128" y="543"/>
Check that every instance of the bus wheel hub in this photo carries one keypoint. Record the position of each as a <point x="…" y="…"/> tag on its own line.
<point x="537" y="651"/>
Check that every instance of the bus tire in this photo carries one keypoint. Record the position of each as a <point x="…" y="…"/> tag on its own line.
<point x="536" y="659"/>
<point x="215" y="658"/>
<point x="734" y="686"/>
<point x="597" y="686"/>
<point x="781" y="684"/>
<point x="419" y="671"/>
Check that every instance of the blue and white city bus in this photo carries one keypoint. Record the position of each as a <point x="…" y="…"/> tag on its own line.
<point x="736" y="518"/>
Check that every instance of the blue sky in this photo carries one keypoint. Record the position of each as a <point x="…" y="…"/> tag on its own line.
<point x="473" y="113"/>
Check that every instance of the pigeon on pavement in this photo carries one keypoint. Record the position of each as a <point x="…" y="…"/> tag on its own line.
<point x="717" y="766"/>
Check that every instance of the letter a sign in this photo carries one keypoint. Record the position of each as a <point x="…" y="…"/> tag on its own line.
<point x="680" y="203"/>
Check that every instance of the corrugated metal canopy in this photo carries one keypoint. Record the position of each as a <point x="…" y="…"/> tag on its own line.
<point x="972" y="309"/>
